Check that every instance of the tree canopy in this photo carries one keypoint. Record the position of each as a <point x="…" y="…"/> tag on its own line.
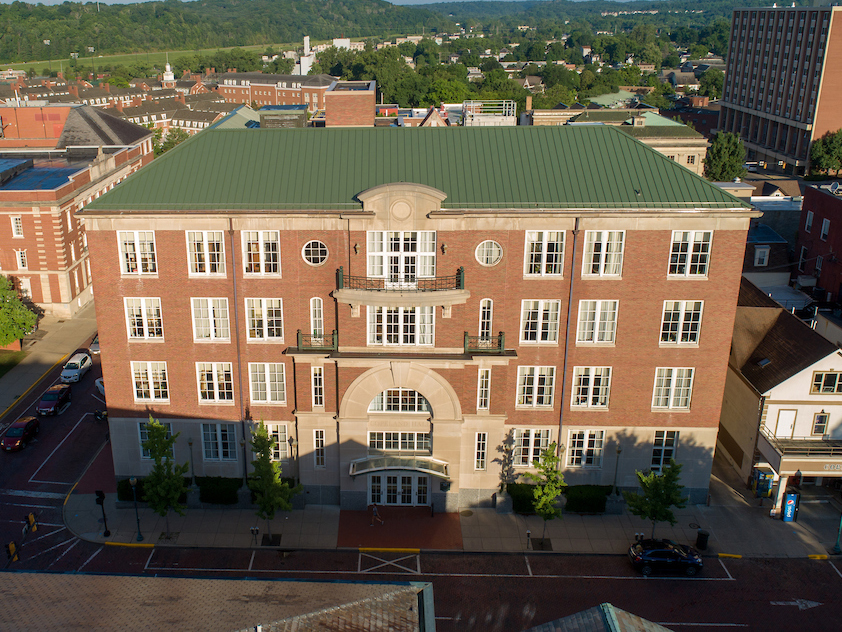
<point x="726" y="158"/>
<point x="165" y="484"/>
<point x="549" y="485"/>
<point x="826" y="153"/>
<point x="271" y="493"/>
<point x="16" y="319"/>
<point x="661" y="492"/>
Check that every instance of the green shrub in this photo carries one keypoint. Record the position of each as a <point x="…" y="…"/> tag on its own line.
<point x="587" y="498"/>
<point x="523" y="499"/>
<point x="124" y="490"/>
<point x="218" y="490"/>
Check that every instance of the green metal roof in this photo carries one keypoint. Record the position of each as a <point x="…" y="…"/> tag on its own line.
<point x="521" y="168"/>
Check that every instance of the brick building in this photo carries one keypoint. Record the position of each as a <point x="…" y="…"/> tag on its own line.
<point x="784" y="82"/>
<point x="53" y="161"/>
<point x="269" y="89"/>
<point x="819" y="239"/>
<point x="416" y="313"/>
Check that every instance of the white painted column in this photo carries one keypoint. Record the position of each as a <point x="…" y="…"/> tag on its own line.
<point x="779" y="495"/>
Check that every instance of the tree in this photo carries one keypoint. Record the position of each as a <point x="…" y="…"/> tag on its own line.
<point x="826" y="152"/>
<point x="270" y="492"/>
<point x="16" y="320"/>
<point x="175" y="136"/>
<point x="165" y="484"/>
<point x="711" y="82"/>
<point x="549" y="484"/>
<point x="661" y="492"/>
<point x="725" y="159"/>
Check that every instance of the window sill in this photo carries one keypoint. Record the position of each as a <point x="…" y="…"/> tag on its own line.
<point x="534" y="277"/>
<point x="210" y="275"/>
<point x="682" y="345"/>
<point x="594" y="409"/>
<point x="258" y="403"/>
<point x="687" y="277"/>
<point x="212" y="341"/>
<point x="215" y="403"/>
<point x="140" y="340"/>
<point x="151" y="401"/>
<point x="602" y="277"/>
<point x="670" y="410"/>
<point x="595" y="344"/>
<point x="271" y="341"/>
<point x="145" y="275"/>
<point x="523" y="407"/>
<point x="531" y="343"/>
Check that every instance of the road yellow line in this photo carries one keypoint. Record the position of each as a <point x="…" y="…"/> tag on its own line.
<point x="817" y="557"/>
<point x="382" y="550"/>
<point x="66" y="498"/>
<point x="731" y="555"/>
<point x="133" y="545"/>
<point x="27" y="391"/>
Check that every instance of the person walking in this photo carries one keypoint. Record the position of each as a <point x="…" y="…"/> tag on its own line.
<point x="375" y="515"/>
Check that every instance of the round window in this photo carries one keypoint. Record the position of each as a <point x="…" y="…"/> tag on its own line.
<point x="489" y="253"/>
<point x="314" y="253"/>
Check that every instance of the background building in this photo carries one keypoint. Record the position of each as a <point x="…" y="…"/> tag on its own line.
<point x="419" y="313"/>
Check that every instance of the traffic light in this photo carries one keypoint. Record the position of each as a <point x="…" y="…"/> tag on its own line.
<point x="32" y="522"/>
<point x="100" y="497"/>
<point x="12" y="552"/>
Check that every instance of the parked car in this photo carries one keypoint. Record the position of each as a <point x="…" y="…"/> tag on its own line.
<point x="95" y="344"/>
<point x="100" y="386"/>
<point x="665" y="556"/>
<point x="55" y="400"/>
<point x="20" y="433"/>
<point x="76" y="368"/>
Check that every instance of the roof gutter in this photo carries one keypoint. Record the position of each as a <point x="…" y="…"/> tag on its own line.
<point x="567" y="336"/>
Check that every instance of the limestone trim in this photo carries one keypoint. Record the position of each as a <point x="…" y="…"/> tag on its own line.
<point x="445" y="298"/>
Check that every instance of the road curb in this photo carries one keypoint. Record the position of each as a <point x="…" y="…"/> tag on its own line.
<point x="131" y="545"/>
<point x="29" y="390"/>
<point x="818" y="557"/>
<point x="734" y="556"/>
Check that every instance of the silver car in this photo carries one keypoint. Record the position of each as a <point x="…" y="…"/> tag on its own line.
<point x="76" y="368"/>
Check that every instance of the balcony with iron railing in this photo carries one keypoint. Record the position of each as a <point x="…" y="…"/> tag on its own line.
<point x="811" y="447"/>
<point x="485" y="344"/>
<point x="316" y="343"/>
<point x="401" y="290"/>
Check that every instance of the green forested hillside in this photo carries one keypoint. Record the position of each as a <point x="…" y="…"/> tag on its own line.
<point x="174" y="25"/>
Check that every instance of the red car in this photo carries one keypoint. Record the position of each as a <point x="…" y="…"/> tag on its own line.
<point x="20" y="433"/>
<point x="54" y="401"/>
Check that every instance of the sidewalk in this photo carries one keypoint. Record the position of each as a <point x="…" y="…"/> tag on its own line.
<point x="737" y="524"/>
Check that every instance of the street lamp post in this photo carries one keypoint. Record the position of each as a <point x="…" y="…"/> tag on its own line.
<point x="133" y="482"/>
<point x="293" y="446"/>
<point x="192" y="468"/>
<point x="617" y="468"/>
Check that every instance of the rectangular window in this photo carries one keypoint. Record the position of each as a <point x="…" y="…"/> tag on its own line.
<point x="137" y="252"/>
<point x="825" y="229"/>
<point x="591" y="386"/>
<point x="216" y="381"/>
<point x="261" y="252"/>
<point x="544" y="253"/>
<point x="535" y="386"/>
<point x="483" y="389"/>
<point x="603" y="253"/>
<point x="268" y="382"/>
<point x="597" y="321"/>
<point x="690" y="253"/>
<point x="399" y="441"/>
<point x="401" y="257"/>
<point x="206" y="252"/>
<point x="319" y="448"/>
<point x="539" y="321"/>
<point x="826" y="383"/>
<point x="220" y="442"/>
<point x="17" y="226"/>
<point x="691" y="160"/>
<point x="680" y="322"/>
<point x="400" y="326"/>
<point x="819" y="263"/>
<point x="802" y="258"/>
<point x="150" y="381"/>
<point x="399" y="400"/>
<point x="318" y="386"/>
<point x="761" y="256"/>
<point x="279" y="433"/>
<point x="143" y="318"/>
<point x="529" y="444"/>
<point x="808" y="223"/>
<point x="210" y="319"/>
<point x="820" y="423"/>
<point x="144" y="437"/>
<point x="23" y="264"/>
<point x="586" y="447"/>
<point x="481" y="450"/>
<point x="673" y="387"/>
<point x="663" y="449"/>
<point x="265" y="319"/>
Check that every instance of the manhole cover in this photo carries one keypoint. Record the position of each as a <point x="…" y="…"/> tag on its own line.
<point x="467" y="513"/>
<point x="693" y="525"/>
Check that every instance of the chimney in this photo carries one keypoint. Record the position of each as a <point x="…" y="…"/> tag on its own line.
<point x="180" y="97"/>
<point x="61" y="76"/>
<point x="306" y="45"/>
<point x="73" y="89"/>
<point x="528" y="102"/>
<point x="186" y="73"/>
<point x="105" y="87"/>
<point x="118" y="105"/>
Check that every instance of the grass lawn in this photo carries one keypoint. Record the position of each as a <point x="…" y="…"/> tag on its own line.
<point x="8" y="359"/>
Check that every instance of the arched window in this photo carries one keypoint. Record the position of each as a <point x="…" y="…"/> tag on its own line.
<point x="486" y="309"/>
<point x="399" y="400"/>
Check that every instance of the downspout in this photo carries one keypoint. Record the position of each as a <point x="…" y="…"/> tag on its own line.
<point x="567" y="337"/>
<point x="237" y="339"/>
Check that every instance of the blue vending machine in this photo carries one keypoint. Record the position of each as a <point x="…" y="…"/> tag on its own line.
<point x="790" y="508"/>
<point x="762" y="482"/>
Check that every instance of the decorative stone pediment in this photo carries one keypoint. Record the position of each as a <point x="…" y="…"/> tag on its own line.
<point x="401" y="205"/>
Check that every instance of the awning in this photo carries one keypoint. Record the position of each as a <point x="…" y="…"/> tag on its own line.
<point x="416" y="463"/>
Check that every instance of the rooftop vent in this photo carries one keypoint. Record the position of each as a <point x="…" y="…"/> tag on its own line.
<point x="764" y="362"/>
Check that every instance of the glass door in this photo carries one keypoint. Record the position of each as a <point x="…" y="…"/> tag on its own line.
<point x="400" y="488"/>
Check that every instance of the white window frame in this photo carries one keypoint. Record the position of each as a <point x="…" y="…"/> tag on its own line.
<point x="603" y="256"/>
<point x="385" y="251"/>
<point x="488" y="253"/>
<point x="602" y="328"/>
<point x="664" y="448"/>
<point x="591" y="387"/>
<point x="535" y="386"/>
<point x="802" y="258"/>
<point x="318" y="386"/>
<point x="821" y="424"/>
<point x="319" y="461"/>
<point x="267" y="383"/>
<point x="200" y="255"/>
<point x="761" y="256"/>
<point x="317" y="318"/>
<point x="219" y="442"/>
<point x="483" y="389"/>
<point x="673" y="388"/>
<point x="690" y="253"/>
<point x="144" y="436"/>
<point x="481" y="451"/>
<point x="486" y="318"/>
<point x="529" y="444"/>
<point x="280" y="451"/>
<point x="155" y="378"/>
<point x="262" y="265"/>
<point x="315" y="247"/>
<point x="257" y="312"/>
<point x="221" y="375"/>
<point x="537" y="260"/>
<point x="17" y="226"/>
<point x="149" y="317"/>
<point x="22" y="261"/>
<point x="808" y="222"/>
<point x="818" y="266"/>
<point x="586" y="448"/>
<point x="539" y="321"/>
<point x="399" y="441"/>
<point x="399" y="400"/>
<point x="681" y="323"/>
<point x="218" y="326"/>
<point x="826" y="382"/>
<point x="825" y="229"/>
<point x="389" y="327"/>
<point x="136" y="257"/>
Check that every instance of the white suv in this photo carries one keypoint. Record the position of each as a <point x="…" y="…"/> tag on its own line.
<point x="76" y="368"/>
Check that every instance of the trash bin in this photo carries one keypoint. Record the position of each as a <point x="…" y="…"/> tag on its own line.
<point x="702" y="538"/>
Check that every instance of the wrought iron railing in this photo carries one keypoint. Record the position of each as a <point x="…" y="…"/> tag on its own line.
<point x="485" y="344"/>
<point x="400" y="283"/>
<point x="803" y="446"/>
<point x="324" y="342"/>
